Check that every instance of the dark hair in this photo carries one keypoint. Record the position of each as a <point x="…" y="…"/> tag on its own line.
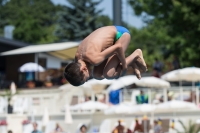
<point x="83" y="126"/>
<point x="9" y="131"/>
<point x="73" y="74"/>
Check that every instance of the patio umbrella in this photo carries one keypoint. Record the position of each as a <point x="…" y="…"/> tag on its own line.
<point x="89" y="105"/>
<point x="122" y="82"/>
<point x="31" y="67"/>
<point x="175" y="105"/>
<point x="122" y="108"/>
<point x="153" y="82"/>
<point x="98" y="85"/>
<point x="129" y="108"/>
<point x="191" y="74"/>
<point x="103" y="82"/>
<point x="171" y="76"/>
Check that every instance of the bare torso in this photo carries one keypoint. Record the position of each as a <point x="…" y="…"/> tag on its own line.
<point x="96" y="42"/>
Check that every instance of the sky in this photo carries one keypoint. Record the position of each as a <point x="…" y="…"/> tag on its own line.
<point x="127" y="12"/>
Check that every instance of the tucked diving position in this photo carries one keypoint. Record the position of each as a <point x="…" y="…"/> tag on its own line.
<point x="102" y="55"/>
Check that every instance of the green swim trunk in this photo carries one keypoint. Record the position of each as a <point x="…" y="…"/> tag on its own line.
<point x="120" y="31"/>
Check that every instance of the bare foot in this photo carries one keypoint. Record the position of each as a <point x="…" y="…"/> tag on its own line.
<point x="136" y="70"/>
<point x="141" y="64"/>
<point x="139" y="60"/>
<point x="138" y="63"/>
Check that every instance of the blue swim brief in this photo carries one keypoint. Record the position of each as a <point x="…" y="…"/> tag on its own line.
<point x="120" y="31"/>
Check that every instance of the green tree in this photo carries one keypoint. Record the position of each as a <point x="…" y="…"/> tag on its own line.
<point x="31" y="18"/>
<point x="148" y="39"/>
<point x="180" y="19"/>
<point x="78" y="19"/>
<point x="2" y="16"/>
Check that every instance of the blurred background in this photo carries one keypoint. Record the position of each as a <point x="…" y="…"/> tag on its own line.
<point x="38" y="38"/>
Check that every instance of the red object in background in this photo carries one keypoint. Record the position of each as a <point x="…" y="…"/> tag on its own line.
<point x="25" y="122"/>
<point x="3" y="123"/>
<point x="129" y="131"/>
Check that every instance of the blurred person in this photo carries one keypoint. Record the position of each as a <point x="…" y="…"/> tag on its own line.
<point x="9" y="131"/>
<point x="83" y="129"/>
<point x="87" y="98"/>
<point x="35" y="130"/>
<point x="172" y="124"/>
<point x="158" y="66"/>
<point x="142" y="98"/>
<point x="102" y="55"/>
<point x="157" y="127"/>
<point x="170" y="95"/>
<point x="138" y="127"/>
<point x="58" y="129"/>
<point x="129" y="130"/>
<point x="119" y="128"/>
<point x="159" y="122"/>
<point x="155" y="73"/>
<point x="192" y="97"/>
<point x="176" y="63"/>
<point x="103" y="100"/>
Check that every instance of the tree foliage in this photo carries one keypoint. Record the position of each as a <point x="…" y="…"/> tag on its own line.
<point x="31" y="18"/>
<point x="78" y="19"/>
<point x="175" y="26"/>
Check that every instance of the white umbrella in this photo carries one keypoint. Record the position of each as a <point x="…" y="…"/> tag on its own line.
<point x="153" y="82"/>
<point x="191" y="74"/>
<point x="142" y="108"/>
<point x="31" y="67"/>
<point x="171" y="76"/>
<point x="147" y="107"/>
<point x="128" y="108"/>
<point x="98" y="86"/>
<point x="119" y="109"/>
<point x="122" y="82"/>
<point x="103" y="82"/>
<point x="89" y="105"/>
<point x="175" y="105"/>
<point x="68" y="116"/>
